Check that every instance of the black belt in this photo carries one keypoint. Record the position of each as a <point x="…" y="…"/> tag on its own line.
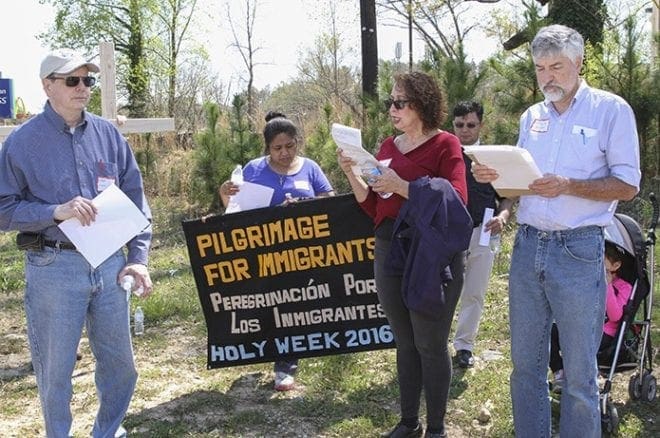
<point x="35" y="241"/>
<point x="60" y="244"/>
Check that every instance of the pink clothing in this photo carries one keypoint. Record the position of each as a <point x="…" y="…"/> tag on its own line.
<point x="618" y="293"/>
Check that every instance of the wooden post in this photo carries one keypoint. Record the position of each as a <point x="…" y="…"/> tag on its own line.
<point x="108" y="75"/>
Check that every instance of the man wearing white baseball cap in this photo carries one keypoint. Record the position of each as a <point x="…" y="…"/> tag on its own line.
<point x="64" y="61"/>
<point x="51" y="168"/>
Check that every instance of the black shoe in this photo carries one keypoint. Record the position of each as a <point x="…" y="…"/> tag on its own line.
<point x="465" y="359"/>
<point x="403" y="431"/>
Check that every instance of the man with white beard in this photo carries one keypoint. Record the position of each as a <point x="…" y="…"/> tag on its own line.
<point x="585" y="142"/>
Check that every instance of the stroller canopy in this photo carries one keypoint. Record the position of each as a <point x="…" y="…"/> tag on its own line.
<point x="619" y="233"/>
<point x="626" y="233"/>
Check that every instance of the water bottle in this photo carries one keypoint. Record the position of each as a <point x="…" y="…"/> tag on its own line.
<point x="237" y="175"/>
<point x="237" y="179"/>
<point x="138" y="321"/>
<point x="369" y="175"/>
<point x="495" y="242"/>
<point x="127" y="282"/>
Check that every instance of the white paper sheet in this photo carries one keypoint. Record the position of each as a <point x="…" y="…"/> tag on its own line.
<point x="484" y="237"/>
<point x="515" y="166"/>
<point x="249" y="197"/>
<point x="350" y="141"/>
<point x="118" y="220"/>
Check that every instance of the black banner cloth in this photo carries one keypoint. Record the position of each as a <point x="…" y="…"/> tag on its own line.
<point x="287" y="282"/>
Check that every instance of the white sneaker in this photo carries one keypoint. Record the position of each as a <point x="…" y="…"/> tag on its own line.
<point x="284" y="381"/>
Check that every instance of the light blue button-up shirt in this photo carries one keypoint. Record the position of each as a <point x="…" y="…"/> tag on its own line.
<point x="43" y="163"/>
<point x="595" y="137"/>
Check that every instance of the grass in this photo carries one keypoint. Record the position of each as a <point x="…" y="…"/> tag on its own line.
<point x="11" y="266"/>
<point x="345" y="395"/>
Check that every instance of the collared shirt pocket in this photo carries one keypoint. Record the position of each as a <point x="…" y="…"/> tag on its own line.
<point x="106" y="174"/>
<point x="584" y="134"/>
<point x="588" y="160"/>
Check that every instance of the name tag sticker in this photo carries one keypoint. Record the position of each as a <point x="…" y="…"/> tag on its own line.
<point x="103" y="183"/>
<point x="540" y="125"/>
<point x="301" y="185"/>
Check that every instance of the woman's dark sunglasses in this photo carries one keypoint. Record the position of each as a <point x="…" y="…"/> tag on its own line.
<point x="73" y="81"/>
<point x="398" y="104"/>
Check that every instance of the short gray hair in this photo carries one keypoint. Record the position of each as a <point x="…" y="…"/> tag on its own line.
<point x="558" y="40"/>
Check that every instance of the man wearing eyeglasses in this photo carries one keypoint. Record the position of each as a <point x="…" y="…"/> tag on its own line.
<point x="584" y="141"/>
<point x="51" y="168"/>
<point x="468" y="117"/>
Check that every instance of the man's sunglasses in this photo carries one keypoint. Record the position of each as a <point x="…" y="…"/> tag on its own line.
<point x="73" y="81"/>
<point x="398" y="104"/>
<point x="459" y="125"/>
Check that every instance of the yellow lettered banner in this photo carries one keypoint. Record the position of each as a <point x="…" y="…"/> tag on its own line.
<point x="287" y="282"/>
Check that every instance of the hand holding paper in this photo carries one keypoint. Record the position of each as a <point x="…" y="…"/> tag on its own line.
<point x="118" y="220"/>
<point x="483" y="173"/>
<point x="81" y="208"/>
<point x="515" y="166"/>
<point x="550" y="185"/>
<point x="350" y="141"/>
<point x="250" y="196"/>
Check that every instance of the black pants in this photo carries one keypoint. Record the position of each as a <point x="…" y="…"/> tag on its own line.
<point x="422" y="356"/>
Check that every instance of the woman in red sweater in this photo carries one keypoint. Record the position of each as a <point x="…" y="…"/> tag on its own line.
<point x="417" y="109"/>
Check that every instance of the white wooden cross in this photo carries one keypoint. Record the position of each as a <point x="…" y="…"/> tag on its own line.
<point x="109" y="101"/>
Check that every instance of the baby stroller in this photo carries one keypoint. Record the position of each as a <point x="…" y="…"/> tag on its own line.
<point x="632" y="349"/>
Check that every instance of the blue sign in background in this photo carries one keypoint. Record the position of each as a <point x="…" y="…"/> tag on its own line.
<point x="6" y="99"/>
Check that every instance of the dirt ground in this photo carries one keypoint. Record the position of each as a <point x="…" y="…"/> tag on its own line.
<point x="157" y="396"/>
<point x="177" y="396"/>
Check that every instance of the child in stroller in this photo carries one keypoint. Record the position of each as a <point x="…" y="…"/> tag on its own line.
<point x="626" y="344"/>
<point x="619" y="271"/>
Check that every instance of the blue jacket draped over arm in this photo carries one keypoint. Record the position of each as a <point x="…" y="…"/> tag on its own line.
<point x="433" y="225"/>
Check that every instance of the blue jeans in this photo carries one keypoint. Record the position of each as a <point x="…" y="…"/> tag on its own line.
<point x="556" y="276"/>
<point x="62" y="293"/>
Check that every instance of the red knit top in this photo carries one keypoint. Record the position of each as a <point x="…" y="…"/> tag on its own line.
<point x="439" y="156"/>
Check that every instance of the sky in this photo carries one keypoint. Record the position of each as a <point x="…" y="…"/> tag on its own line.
<point x="284" y="29"/>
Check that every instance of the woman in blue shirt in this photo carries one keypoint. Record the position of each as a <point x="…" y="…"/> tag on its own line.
<point x="293" y="177"/>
